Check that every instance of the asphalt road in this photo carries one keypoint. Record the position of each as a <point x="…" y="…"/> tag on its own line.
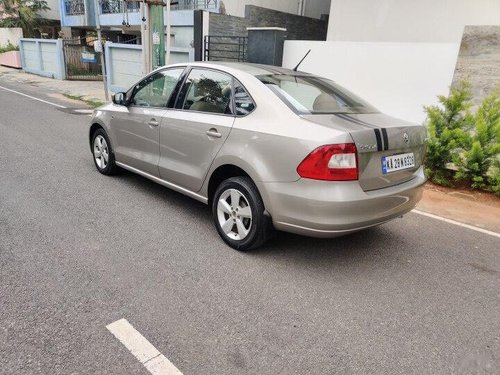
<point x="79" y="250"/>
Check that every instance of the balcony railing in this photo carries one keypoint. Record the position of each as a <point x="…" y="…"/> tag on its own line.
<point x="74" y="7"/>
<point x="77" y="7"/>
<point x="195" y="4"/>
<point x="116" y="6"/>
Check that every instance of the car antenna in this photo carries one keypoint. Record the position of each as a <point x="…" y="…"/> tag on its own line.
<point x="300" y="62"/>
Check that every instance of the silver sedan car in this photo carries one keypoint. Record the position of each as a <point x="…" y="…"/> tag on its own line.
<point x="265" y="147"/>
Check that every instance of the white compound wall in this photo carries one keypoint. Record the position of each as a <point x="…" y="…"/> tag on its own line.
<point x="424" y="21"/>
<point x="398" y="78"/>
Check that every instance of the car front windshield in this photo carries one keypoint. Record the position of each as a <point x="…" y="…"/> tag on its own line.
<point x="314" y="95"/>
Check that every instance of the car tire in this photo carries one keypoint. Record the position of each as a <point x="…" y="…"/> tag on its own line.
<point x="243" y="225"/>
<point x="101" y="149"/>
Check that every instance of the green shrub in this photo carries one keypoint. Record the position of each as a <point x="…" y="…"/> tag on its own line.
<point x="8" y="48"/>
<point x="472" y="166"/>
<point x="480" y="165"/>
<point x="495" y="182"/>
<point x="463" y="146"/>
<point x="449" y="126"/>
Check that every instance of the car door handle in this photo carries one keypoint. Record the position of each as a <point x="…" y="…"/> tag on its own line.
<point x="153" y="122"/>
<point x="214" y="133"/>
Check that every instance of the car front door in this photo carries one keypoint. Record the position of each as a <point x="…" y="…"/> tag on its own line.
<point x="137" y="127"/>
<point x="194" y="131"/>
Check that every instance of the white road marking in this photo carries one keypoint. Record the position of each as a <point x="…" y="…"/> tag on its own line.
<point x="477" y="229"/>
<point x="155" y="362"/>
<point x="32" y="97"/>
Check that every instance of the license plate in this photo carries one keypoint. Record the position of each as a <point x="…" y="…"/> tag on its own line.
<point x="397" y="162"/>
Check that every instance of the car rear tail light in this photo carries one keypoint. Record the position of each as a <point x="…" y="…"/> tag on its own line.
<point x="331" y="163"/>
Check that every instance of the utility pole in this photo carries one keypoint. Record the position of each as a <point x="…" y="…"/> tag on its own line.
<point x="145" y="38"/>
<point x="156" y="23"/>
<point x="103" y="64"/>
<point x="167" y="58"/>
<point x="155" y="54"/>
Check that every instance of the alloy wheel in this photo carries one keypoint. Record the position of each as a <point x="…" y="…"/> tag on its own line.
<point x="101" y="152"/>
<point x="234" y="214"/>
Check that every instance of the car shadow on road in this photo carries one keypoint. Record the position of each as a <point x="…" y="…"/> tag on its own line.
<point x="369" y="244"/>
<point x="158" y="191"/>
<point x="360" y="244"/>
<point x="368" y="252"/>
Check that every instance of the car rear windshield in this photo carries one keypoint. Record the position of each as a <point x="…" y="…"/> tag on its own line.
<point x="314" y="95"/>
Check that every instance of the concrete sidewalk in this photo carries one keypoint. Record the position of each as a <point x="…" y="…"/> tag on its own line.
<point x="473" y="208"/>
<point x="91" y="91"/>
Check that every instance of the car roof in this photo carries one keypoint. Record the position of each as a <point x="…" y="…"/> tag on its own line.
<point x="252" y="69"/>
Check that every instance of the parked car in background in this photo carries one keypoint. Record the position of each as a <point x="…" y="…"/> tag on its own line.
<point x="265" y="147"/>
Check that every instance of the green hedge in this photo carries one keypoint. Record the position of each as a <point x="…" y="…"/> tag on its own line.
<point x="8" y="48"/>
<point x="464" y="145"/>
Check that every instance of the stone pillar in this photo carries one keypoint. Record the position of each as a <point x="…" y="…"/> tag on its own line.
<point x="200" y="30"/>
<point x="265" y="45"/>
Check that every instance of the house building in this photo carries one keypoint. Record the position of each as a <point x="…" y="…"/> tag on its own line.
<point x="121" y="22"/>
<point x="53" y="26"/>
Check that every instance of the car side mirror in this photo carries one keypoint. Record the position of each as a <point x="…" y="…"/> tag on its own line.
<point x="119" y="98"/>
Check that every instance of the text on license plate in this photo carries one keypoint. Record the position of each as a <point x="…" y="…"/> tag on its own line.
<point x="397" y="162"/>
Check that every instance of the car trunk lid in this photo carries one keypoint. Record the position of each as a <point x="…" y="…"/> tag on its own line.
<point x="390" y="151"/>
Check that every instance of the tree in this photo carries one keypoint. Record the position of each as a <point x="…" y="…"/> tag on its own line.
<point x="23" y="14"/>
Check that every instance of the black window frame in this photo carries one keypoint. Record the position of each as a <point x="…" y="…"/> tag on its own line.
<point x="180" y="95"/>
<point x="132" y="91"/>
<point x="234" y="98"/>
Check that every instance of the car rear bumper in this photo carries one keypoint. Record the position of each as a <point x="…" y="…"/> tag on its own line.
<point x="330" y="209"/>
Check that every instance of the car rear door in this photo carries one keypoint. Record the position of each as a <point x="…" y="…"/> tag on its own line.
<point x="194" y="131"/>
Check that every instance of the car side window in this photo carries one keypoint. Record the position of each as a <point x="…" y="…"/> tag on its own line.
<point x="242" y="100"/>
<point x="155" y="90"/>
<point x="207" y="91"/>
